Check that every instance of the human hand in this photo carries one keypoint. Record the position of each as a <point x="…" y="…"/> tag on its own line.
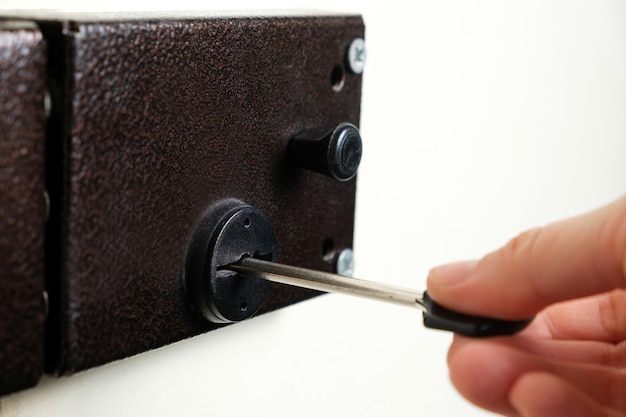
<point x="571" y="360"/>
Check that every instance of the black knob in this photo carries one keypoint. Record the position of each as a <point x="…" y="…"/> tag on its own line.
<point x="335" y="153"/>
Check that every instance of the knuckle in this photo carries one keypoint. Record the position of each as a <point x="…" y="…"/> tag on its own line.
<point x="612" y="313"/>
<point x="521" y="254"/>
<point x="521" y="249"/>
<point x="612" y="237"/>
<point x="616" y="356"/>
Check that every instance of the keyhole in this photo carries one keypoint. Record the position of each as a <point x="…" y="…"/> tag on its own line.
<point x="337" y="78"/>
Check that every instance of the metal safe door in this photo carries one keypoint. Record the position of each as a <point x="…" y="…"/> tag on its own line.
<point x="161" y="119"/>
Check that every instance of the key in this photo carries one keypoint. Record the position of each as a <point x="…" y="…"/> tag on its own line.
<point x="435" y="315"/>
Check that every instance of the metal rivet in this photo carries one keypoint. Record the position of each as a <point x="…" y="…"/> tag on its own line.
<point x="345" y="263"/>
<point x="357" y="55"/>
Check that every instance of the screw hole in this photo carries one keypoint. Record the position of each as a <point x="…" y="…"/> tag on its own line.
<point x="244" y="306"/>
<point x="337" y="78"/>
<point x="327" y="248"/>
<point x="246" y="222"/>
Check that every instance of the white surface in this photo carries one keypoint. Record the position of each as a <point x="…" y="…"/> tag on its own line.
<point x="480" y="119"/>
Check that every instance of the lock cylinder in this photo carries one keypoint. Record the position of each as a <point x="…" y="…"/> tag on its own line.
<point x="229" y="231"/>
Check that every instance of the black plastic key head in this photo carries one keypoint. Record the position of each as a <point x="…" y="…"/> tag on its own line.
<point x="438" y="317"/>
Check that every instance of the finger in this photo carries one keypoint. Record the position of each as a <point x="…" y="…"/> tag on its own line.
<point x="573" y="258"/>
<point x="584" y="352"/>
<point x="538" y="394"/>
<point x="484" y="372"/>
<point x="599" y="318"/>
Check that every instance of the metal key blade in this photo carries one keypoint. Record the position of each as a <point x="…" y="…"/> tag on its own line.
<point x="435" y="315"/>
<point x="327" y="282"/>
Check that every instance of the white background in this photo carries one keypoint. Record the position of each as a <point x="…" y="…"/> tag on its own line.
<point x="480" y="119"/>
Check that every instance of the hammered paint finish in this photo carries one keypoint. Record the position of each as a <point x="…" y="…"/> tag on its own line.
<point x="163" y="119"/>
<point x="22" y="205"/>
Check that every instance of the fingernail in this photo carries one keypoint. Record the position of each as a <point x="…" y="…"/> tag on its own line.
<point x="453" y="273"/>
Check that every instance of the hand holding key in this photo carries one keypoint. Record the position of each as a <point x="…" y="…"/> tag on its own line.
<point x="435" y="315"/>
<point x="571" y="360"/>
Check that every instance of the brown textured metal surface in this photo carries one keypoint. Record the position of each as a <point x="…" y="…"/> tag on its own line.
<point x="22" y="205"/>
<point x="166" y="118"/>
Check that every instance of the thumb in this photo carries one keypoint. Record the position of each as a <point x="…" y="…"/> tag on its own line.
<point x="580" y="256"/>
